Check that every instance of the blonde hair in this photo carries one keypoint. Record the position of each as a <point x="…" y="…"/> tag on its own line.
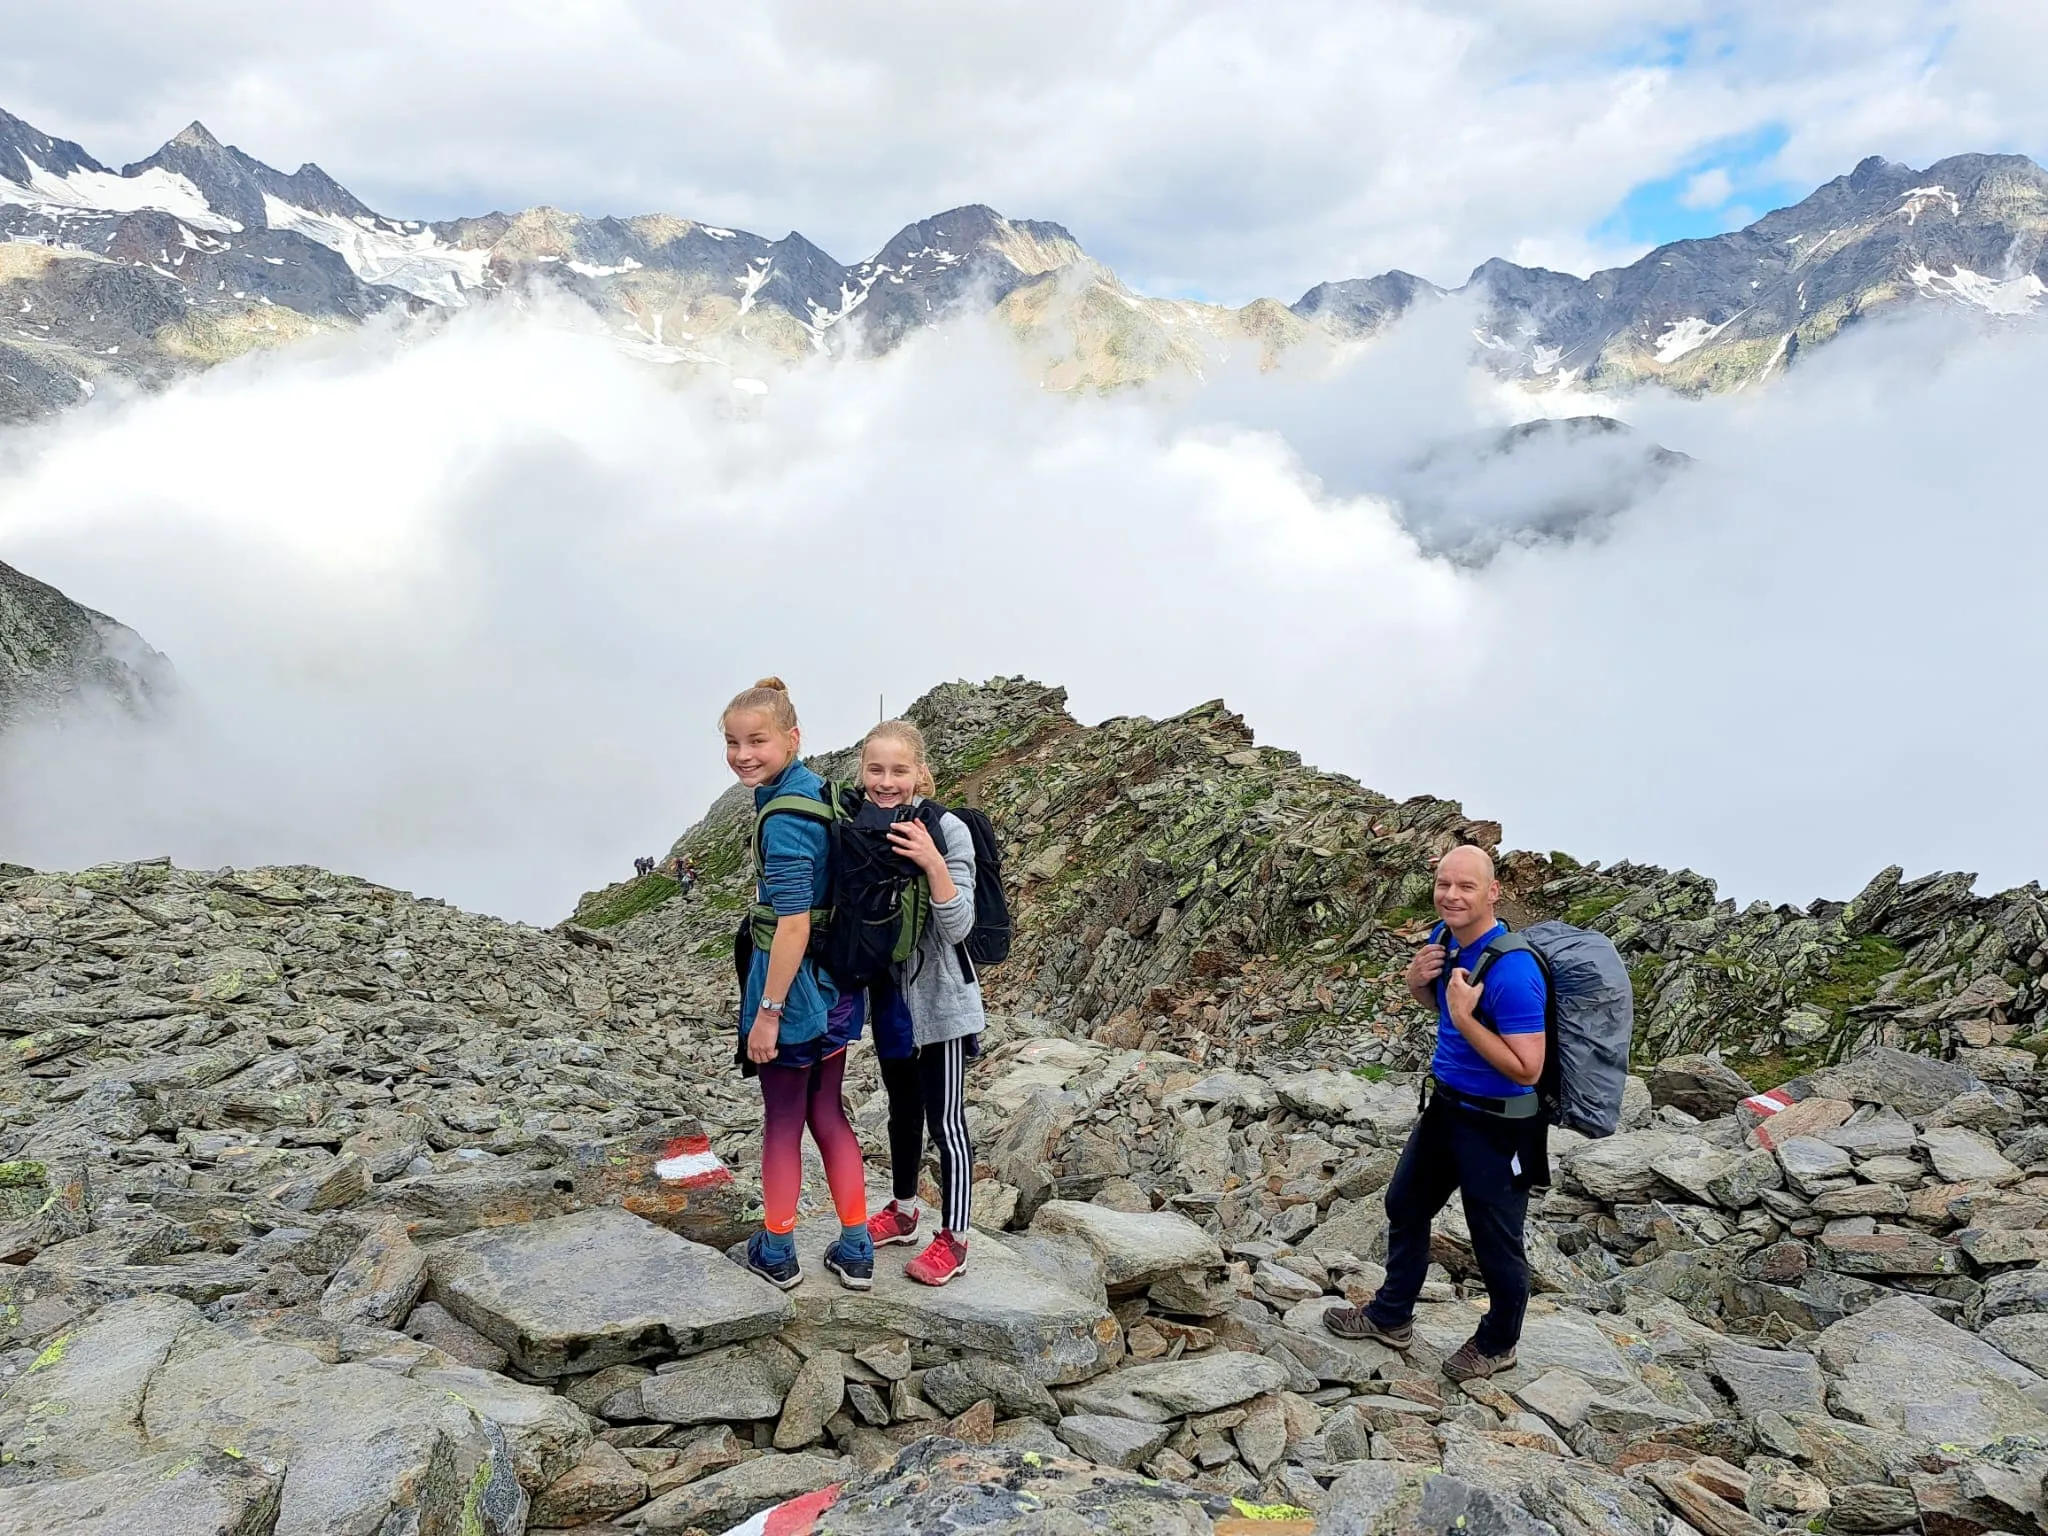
<point x="909" y="736"/>
<point x="769" y="696"/>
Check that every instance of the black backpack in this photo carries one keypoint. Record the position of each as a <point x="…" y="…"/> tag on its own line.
<point x="877" y="901"/>
<point x="988" y="943"/>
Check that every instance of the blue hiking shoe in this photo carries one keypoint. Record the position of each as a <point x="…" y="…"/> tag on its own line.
<point x="772" y="1256"/>
<point x="852" y="1262"/>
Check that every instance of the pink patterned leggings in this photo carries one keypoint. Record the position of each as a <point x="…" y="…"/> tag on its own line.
<point x="794" y="1097"/>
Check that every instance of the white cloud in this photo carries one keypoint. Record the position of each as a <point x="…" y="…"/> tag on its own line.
<point x="1199" y="145"/>
<point x="458" y="613"/>
<point x="1708" y="189"/>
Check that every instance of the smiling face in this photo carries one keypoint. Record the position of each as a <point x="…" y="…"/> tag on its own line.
<point x="756" y="748"/>
<point x="1466" y="891"/>
<point x="888" y="771"/>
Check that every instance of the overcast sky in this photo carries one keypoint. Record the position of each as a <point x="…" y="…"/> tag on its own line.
<point x="1205" y="147"/>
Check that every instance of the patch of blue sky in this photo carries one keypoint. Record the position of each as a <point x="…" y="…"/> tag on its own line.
<point x="1724" y="186"/>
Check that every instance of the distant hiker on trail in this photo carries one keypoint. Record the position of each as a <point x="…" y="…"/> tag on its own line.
<point x="639" y="868"/>
<point x="1481" y="1132"/>
<point x="794" y="1026"/>
<point x="686" y="873"/>
<point x="928" y="1016"/>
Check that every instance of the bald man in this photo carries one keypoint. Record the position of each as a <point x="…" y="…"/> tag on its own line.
<point x="1481" y="1132"/>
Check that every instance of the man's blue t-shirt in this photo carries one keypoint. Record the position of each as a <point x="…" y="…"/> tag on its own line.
<point x="1511" y="1004"/>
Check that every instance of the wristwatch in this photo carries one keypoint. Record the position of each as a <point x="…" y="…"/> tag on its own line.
<point x="768" y="1007"/>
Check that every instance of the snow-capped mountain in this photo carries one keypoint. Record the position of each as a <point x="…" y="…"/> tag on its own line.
<point x="201" y="252"/>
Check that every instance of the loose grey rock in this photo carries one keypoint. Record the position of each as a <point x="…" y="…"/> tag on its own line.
<point x="381" y="1280"/>
<point x="1962" y="1156"/>
<point x="1135" y="1250"/>
<point x="431" y="1324"/>
<point x="957" y="1385"/>
<point x="740" y="1381"/>
<point x="1785" y="1381"/>
<point x="1112" y="1441"/>
<point x="1158" y="1393"/>
<point x="728" y="1497"/>
<point x="1913" y="1085"/>
<point x="1701" y="1086"/>
<point x="814" y="1396"/>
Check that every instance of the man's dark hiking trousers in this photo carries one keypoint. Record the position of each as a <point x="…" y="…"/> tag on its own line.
<point x="1462" y="1150"/>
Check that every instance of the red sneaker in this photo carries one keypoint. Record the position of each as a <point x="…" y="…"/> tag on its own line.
<point x="892" y="1224"/>
<point x="943" y="1258"/>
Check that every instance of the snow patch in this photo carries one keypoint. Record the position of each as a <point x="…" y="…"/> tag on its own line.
<point x="584" y="269"/>
<point x="154" y="190"/>
<point x="716" y="234"/>
<point x="1687" y="335"/>
<point x="1911" y="203"/>
<point x="750" y="284"/>
<point x="385" y="255"/>
<point x="750" y="386"/>
<point x="2015" y="296"/>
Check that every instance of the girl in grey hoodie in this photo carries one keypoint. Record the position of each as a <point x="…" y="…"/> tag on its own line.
<point x="932" y="1021"/>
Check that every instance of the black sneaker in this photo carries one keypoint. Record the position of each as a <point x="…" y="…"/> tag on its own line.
<point x="1357" y="1323"/>
<point x="780" y="1270"/>
<point x="855" y="1271"/>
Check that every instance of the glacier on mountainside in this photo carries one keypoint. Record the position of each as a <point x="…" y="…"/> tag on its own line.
<point x="415" y="262"/>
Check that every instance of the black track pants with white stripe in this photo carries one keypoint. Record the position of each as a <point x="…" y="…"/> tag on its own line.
<point x="928" y="1091"/>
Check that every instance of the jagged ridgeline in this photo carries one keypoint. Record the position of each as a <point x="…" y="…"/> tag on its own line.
<point x="1175" y="884"/>
<point x="53" y="650"/>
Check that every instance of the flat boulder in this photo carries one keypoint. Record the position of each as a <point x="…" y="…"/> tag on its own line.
<point x="176" y="1493"/>
<point x="1553" y="1338"/>
<point x="1767" y="1380"/>
<point x="77" y="1408"/>
<point x="1001" y="1307"/>
<point x="360" y="1448"/>
<point x="598" y="1288"/>
<point x="1961" y="1156"/>
<point x="1913" y="1085"/>
<point x="1157" y="1394"/>
<point x="364" y="1449"/>
<point x="1901" y="1368"/>
<point x="1135" y="1248"/>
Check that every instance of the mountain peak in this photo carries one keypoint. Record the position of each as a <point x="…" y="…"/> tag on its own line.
<point x="195" y="135"/>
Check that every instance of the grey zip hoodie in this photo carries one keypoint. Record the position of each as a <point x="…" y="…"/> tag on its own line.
<point x="937" y="982"/>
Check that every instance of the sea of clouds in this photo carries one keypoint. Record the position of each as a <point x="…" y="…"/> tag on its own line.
<point x="456" y="608"/>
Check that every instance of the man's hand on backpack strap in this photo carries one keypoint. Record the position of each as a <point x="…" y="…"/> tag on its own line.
<point x="1423" y="971"/>
<point x="1461" y="993"/>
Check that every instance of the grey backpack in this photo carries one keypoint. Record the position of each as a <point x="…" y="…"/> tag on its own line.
<point x="1588" y="1019"/>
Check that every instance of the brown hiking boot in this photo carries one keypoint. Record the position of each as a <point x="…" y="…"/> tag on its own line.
<point x="1353" y="1323"/>
<point x="1469" y="1361"/>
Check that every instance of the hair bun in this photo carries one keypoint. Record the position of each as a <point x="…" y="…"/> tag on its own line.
<point x="773" y="682"/>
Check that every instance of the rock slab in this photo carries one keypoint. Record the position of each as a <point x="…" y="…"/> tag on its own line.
<point x="598" y="1288"/>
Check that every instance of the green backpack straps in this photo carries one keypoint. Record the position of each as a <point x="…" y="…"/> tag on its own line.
<point x="825" y="812"/>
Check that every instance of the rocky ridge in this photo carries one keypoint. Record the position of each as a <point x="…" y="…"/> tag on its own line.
<point x="52" y="650"/>
<point x="1178" y="885"/>
<point x="202" y="252"/>
<point x="329" y="1208"/>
